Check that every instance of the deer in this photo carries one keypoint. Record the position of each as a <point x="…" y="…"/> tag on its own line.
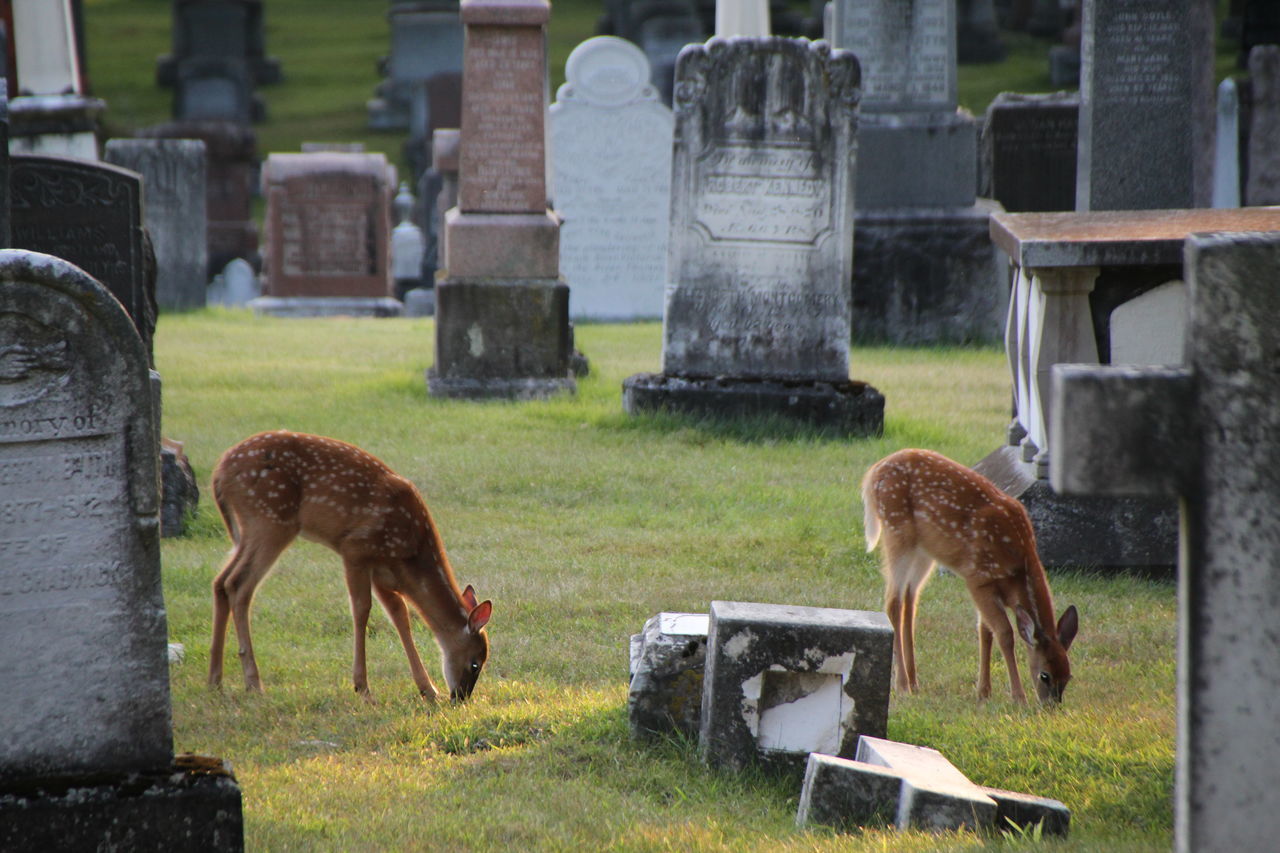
<point x="275" y="486"/>
<point x="925" y="509"/>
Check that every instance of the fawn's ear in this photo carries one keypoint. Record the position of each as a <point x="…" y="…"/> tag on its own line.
<point x="469" y="597"/>
<point x="480" y="616"/>
<point x="1067" y="627"/>
<point x="1027" y="626"/>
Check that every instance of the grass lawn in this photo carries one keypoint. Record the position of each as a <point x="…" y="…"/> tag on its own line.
<point x="580" y="523"/>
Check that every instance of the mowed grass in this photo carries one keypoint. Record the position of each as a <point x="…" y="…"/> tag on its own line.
<point x="580" y="522"/>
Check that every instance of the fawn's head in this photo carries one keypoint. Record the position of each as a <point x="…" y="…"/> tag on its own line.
<point x="465" y="659"/>
<point x="1050" y="667"/>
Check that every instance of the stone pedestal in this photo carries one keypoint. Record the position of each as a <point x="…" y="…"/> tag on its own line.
<point x="928" y="276"/>
<point x="667" y="663"/>
<point x="505" y="339"/>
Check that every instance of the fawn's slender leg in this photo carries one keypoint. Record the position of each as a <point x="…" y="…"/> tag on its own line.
<point x="398" y="613"/>
<point x="991" y="610"/>
<point x="358" y="583"/>
<point x="984" y="659"/>
<point x="256" y="554"/>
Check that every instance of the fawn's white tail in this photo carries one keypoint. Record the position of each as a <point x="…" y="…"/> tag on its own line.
<point x="275" y="486"/>
<point x="924" y="509"/>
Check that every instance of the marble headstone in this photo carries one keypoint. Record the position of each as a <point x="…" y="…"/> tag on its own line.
<point x="611" y="156"/>
<point x="175" y="213"/>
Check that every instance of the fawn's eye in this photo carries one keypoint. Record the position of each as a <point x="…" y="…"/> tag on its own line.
<point x="475" y="666"/>
<point x="1044" y="676"/>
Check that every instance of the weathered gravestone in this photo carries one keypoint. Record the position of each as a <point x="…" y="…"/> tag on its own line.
<point x="437" y="195"/>
<point x="175" y="213"/>
<point x="86" y="751"/>
<point x="502" y="311"/>
<point x="1226" y="147"/>
<point x="1210" y="434"/>
<point x="926" y="271"/>
<point x="1029" y="151"/>
<point x="914" y="787"/>
<point x="407" y="246"/>
<point x="756" y="321"/>
<point x="661" y="28"/>
<point x="231" y="153"/>
<point x="328" y="235"/>
<point x="1263" y="181"/>
<point x="1146" y="105"/>
<point x="611" y="158"/>
<point x="783" y="681"/>
<point x="90" y="214"/>
<point x="426" y="41"/>
<point x="49" y="111"/>
<point x="229" y="29"/>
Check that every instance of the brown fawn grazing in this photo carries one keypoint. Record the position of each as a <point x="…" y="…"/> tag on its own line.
<point x="274" y="486"/>
<point x="924" y="509"/>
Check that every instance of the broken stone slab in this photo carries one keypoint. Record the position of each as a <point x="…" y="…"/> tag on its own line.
<point x="784" y="681"/>
<point x="667" y="662"/>
<point x="914" y="787"/>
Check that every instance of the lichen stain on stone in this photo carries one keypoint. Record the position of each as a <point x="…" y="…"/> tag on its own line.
<point x="739" y="644"/>
<point x="475" y="340"/>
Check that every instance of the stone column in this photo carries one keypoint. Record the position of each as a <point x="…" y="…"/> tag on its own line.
<point x="1209" y="433"/>
<point x="502" y="327"/>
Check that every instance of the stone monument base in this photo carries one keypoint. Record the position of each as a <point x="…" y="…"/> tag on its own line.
<point x="892" y="148"/>
<point x="1139" y="535"/>
<point x="327" y="306"/>
<point x="195" y="806"/>
<point x="847" y="408"/>
<point x="507" y="339"/>
<point x="928" y="276"/>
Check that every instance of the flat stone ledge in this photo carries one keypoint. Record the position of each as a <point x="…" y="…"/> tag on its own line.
<point x="195" y="806"/>
<point x="847" y="408"/>
<point x="498" y="389"/>
<point x="326" y="306"/>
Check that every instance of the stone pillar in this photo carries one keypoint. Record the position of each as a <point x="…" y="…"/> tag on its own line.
<point x="1209" y="433"/>
<point x="502" y="311"/>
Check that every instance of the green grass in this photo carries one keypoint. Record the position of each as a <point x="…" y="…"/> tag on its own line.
<point x="580" y="523"/>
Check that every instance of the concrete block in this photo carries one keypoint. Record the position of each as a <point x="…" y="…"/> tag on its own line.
<point x="845" y="794"/>
<point x="667" y="661"/>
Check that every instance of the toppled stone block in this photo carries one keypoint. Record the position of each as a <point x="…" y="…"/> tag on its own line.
<point x="667" y="661"/>
<point x="845" y="794"/>
<point x="914" y="787"/>
<point x="784" y="681"/>
<point x="1025" y="811"/>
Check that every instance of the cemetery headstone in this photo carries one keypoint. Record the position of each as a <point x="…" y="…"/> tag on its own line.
<point x="407" y="246"/>
<point x="86" y="751"/>
<point x="661" y="28"/>
<point x="231" y="166"/>
<point x="782" y="681"/>
<point x="215" y="88"/>
<point x="977" y="32"/>
<point x="1226" y="148"/>
<point x="926" y="272"/>
<point x="50" y="113"/>
<point x="1029" y="151"/>
<point x="175" y="213"/>
<point x="90" y="214"/>
<point x="327" y="234"/>
<point x="1263" y="182"/>
<point x="611" y="155"/>
<point x="231" y="29"/>
<point x="426" y="41"/>
<point x="756" y="320"/>
<point x="502" y="310"/>
<point x="1206" y="432"/>
<point x="1146" y="105"/>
